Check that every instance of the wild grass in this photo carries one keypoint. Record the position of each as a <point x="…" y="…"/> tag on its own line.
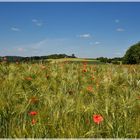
<point x="65" y="99"/>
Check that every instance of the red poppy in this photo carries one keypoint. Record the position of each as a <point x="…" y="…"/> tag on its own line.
<point x="92" y="78"/>
<point x="84" y="63"/>
<point x="84" y="70"/>
<point x="138" y="97"/>
<point x="33" y="113"/>
<point x="90" y="88"/>
<point x="28" y="78"/>
<point x="33" y="121"/>
<point x="97" y="119"/>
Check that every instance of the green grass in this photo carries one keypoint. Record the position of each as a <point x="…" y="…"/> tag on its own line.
<point x="65" y="107"/>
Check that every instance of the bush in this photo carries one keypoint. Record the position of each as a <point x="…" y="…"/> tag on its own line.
<point x="116" y="62"/>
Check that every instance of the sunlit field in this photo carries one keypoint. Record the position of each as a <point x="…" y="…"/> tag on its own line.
<point x="74" y="60"/>
<point x="69" y="100"/>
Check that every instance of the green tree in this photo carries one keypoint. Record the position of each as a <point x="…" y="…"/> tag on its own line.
<point x="73" y="56"/>
<point x="132" y="55"/>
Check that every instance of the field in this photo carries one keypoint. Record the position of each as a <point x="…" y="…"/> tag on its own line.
<point x="69" y="100"/>
<point x="75" y="60"/>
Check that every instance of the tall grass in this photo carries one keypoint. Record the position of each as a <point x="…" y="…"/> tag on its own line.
<point x="65" y="104"/>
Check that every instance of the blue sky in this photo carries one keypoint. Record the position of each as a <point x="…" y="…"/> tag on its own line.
<point x="87" y="29"/>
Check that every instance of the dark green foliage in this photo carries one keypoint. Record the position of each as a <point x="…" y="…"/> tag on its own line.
<point x="115" y="60"/>
<point x="102" y="59"/>
<point x="132" y="55"/>
<point x="34" y="58"/>
<point x="57" y="56"/>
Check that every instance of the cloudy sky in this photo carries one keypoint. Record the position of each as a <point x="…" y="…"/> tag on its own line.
<point x="87" y="29"/>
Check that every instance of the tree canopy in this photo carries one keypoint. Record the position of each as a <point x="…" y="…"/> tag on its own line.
<point x="132" y="55"/>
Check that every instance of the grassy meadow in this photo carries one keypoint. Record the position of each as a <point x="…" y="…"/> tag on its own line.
<point x="61" y="99"/>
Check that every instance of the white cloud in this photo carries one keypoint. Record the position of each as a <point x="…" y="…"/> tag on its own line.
<point x="96" y="43"/>
<point x="38" y="48"/>
<point x="120" y="30"/>
<point x="34" y="20"/>
<point x="85" y="35"/>
<point x="37" y="22"/>
<point x="15" y="29"/>
<point x="42" y="42"/>
<point x="117" y="20"/>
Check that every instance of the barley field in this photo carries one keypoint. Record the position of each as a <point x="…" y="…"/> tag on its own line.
<point x="69" y="100"/>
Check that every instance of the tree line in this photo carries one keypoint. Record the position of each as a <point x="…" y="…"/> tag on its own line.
<point x="34" y="58"/>
<point x="132" y="56"/>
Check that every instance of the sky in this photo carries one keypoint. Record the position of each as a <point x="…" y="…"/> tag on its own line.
<point x="86" y="29"/>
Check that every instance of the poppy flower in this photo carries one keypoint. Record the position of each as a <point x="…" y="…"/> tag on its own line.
<point x="92" y="77"/>
<point x="33" y="113"/>
<point x="28" y="78"/>
<point x="84" y="63"/>
<point x="33" y="121"/>
<point x="90" y="88"/>
<point x="97" y="119"/>
<point x="138" y="97"/>
<point x="84" y="70"/>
